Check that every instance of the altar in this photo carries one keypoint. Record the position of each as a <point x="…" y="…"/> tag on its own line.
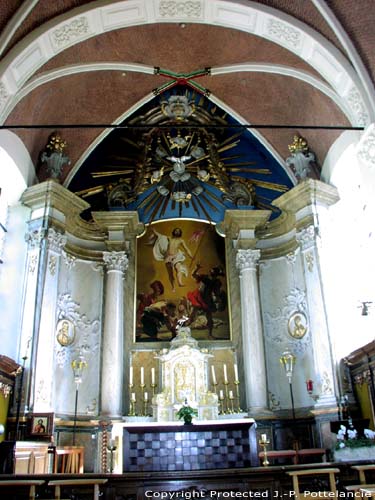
<point x="184" y="377"/>
<point x="173" y="446"/>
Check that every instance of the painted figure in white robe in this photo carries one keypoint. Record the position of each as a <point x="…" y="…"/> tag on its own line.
<point x="172" y="250"/>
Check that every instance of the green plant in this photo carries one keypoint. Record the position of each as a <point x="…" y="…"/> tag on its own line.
<point x="186" y="413"/>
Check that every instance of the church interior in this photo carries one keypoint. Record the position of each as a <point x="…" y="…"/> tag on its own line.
<point x="187" y="206"/>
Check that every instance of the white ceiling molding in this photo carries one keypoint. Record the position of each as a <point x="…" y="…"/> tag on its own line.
<point x="15" y="22"/>
<point x="141" y="68"/>
<point x="279" y="69"/>
<point x="349" y="47"/>
<point x="101" y="16"/>
<point x="73" y="69"/>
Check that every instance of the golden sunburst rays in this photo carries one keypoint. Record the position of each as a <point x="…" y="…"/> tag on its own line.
<point x="84" y="193"/>
<point x="141" y="156"/>
<point x="110" y="173"/>
<point x="273" y="186"/>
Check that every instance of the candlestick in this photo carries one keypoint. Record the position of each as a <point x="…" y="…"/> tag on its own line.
<point x="235" y="372"/>
<point x="231" y="402"/>
<point x="213" y="375"/>
<point x="237" y="385"/>
<point x="225" y="374"/>
<point x="153" y="386"/>
<point x="263" y="443"/>
<point x="132" y="404"/>
<point x="221" y="399"/>
<point x="145" y="403"/>
<point x="142" y="375"/>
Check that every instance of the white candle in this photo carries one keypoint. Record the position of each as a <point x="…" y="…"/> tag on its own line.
<point x="142" y="375"/>
<point x="225" y="374"/>
<point x="221" y="394"/>
<point x="230" y="394"/>
<point x="131" y="376"/>
<point x="146" y="396"/>
<point x="235" y="373"/>
<point x="153" y="376"/>
<point x="133" y="396"/>
<point x="213" y="375"/>
<point x="263" y="438"/>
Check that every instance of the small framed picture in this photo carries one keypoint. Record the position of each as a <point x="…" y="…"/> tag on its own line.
<point x="41" y="424"/>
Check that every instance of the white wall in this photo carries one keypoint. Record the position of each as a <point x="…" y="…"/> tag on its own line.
<point x="348" y="247"/>
<point x="16" y="173"/>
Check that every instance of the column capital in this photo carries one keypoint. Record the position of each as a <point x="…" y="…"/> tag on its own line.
<point x="247" y="259"/>
<point x="56" y="240"/>
<point x="306" y="237"/>
<point x="116" y="261"/>
<point x="34" y="237"/>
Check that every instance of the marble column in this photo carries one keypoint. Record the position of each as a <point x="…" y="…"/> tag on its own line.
<point x="34" y="238"/>
<point x="252" y="333"/>
<point x="322" y="352"/>
<point x="44" y="359"/>
<point x="113" y="335"/>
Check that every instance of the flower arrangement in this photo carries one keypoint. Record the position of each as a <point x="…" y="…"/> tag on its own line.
<point x="187" y="413"/>
<point x="348" y="438"/>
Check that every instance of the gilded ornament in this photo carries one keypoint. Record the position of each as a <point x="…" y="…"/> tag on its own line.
<point x="297" y="325"/>
<point x="65" y="332"/>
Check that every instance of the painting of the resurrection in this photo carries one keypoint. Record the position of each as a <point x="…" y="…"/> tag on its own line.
<point x="181" y="274"/>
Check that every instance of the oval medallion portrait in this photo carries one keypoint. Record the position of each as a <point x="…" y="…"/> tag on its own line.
<point x="297" y="325"/>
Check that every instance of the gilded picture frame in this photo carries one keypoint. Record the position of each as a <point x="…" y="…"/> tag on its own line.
<point x="181" y="274"/>
<point x="65" y="332"/>
<point x="41" y="424"/>
<point x="298" y="325"/>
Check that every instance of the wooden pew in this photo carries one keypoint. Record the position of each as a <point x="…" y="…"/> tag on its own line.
<point x="361" y="469"/>
<point x="58" y="483"/>
<point x="296" y="474"/>
<point x="19" y="483"/>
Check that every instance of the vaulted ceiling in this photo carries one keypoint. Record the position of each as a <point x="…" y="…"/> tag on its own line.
<point x="282" y="67"/>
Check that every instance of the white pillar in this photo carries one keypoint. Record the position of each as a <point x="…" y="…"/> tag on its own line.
<point x="113" y="335"/>
<point x="34" y="238"/>
<point x="322" y="354"/>
<point x="252" y="334"/>
<point x="44" y="360"/>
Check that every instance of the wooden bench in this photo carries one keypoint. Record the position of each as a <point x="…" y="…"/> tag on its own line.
<point x="19" y="483"/>
<point x="361" y="469"/>
<point x="332" y="492"/>
<point x="58" y="483"/>
<point x="72" y="459"/>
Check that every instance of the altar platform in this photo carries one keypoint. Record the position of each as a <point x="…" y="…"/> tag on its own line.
<point x="203" y="445"/>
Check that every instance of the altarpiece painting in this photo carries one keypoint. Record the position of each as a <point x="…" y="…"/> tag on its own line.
<point x="181" y="275"/>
